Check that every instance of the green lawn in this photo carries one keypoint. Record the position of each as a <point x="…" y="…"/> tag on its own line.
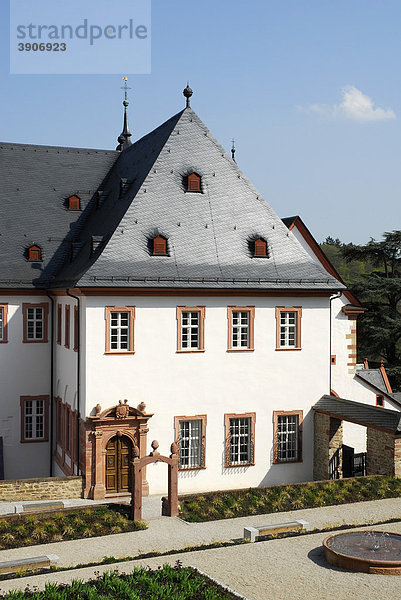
<point x="166" y="583"/>
<point x="21" y="530"/>
<point x="282" y="498"/>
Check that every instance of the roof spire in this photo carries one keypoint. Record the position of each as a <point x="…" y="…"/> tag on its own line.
<point x="124" y="137"/>
<point x="233" y="149"/>
<point x="188" y="93"/>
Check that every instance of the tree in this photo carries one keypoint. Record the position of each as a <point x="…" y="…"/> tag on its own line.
<point x="329" y="241"/>
<point x="379" y="291"/>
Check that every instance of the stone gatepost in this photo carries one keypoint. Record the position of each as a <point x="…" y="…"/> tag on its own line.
<point x="328" y="439"/>
<point x="383" y="453"/>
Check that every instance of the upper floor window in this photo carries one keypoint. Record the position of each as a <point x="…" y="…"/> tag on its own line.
<point x="190" y="435"/>
<point x="190" y="328"/>
<point x="67" y="326"/>
<point x="288" y="328"/>
<point x="120" y="329"/>
<point x="3" y="323"/>
<point x="34" y="253"/>
<point x="74" y="203"/>
<point x="260" y="247"/>
<point x="240" y="327"/>
<point x="59" y="322"/>
<point x="35" y="319"/>
<point x="34" y="418"/>
<point x="160" y="245"/>
<point x="193" y="183"/>
<point x="379" y="400"/>
<point x="239" y="439"/>
<point x="287" y="436"/>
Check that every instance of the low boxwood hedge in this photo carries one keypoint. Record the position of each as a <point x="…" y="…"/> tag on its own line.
<point x="281" y="498"/>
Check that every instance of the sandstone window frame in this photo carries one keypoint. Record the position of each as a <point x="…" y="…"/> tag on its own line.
<point x="3" y="323"/>
<point x="276" y="416"/>
<point x="202" y="444"/>
<point x="284" y="328"/>
<point x="250" y="328"/>
<point x="228" y="417"/>
<point x="34" y="415"/>
<point x="67" y="326"/>
<point x="201" y="310"/>
<point x="44" y="306"/>
<point x="108" y="311"/>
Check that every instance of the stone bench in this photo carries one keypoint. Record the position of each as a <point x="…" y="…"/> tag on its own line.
<point x="251" y="533"/>
<point x="28" y="564"/>
<point x="39" y="507"/>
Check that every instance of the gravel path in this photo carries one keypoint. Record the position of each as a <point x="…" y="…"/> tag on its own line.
<point x="286" y="569"/>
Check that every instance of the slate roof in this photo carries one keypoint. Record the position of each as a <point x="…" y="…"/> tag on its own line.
<point x="373" y="377"/>
<point x="35" y="182"/>
<point x="358" y="412"/>
<point x="209" y="233"/>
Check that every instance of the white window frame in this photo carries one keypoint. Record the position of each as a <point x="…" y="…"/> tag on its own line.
<point x="287" y="436"/>
<point x="240" y="330"/>
<point x="190" y="332"/>
<point x="117" y="330"/>
<point x="236" y="437"/>
<point x="37" y="318"/>
<point x="2" y="323"/>
<point x="288" y="329"/>
<point x="190" y="444"/>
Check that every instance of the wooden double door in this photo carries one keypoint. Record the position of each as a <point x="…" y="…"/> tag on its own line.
<point x="118" y="458"/>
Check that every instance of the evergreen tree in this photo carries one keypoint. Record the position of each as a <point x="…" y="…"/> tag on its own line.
<point x="379" y="291"/>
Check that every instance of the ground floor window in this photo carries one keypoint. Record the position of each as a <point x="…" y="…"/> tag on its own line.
<point x="34" y="418"/>
<point x="239" y="439"/>
<point x="287" y="436"/>
<point x="190" y="435"/>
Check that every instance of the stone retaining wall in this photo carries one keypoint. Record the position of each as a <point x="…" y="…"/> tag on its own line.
<point x="46" y="488"/>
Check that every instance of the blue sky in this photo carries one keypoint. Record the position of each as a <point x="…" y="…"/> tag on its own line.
<point x="310" y="89"/>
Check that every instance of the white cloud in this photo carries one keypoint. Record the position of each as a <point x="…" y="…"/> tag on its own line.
<point x="355" y="105"/>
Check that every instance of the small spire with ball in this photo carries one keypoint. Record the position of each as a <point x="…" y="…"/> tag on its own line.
<point x="188" y="93"/>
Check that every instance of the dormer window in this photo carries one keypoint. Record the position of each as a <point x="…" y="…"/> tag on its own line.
<point x="74" y="203"/>
<point x="193" y="183"/>
<point x="34" y="253"/>
<point x="260" y="247"/>
<point x="160" y="245"/>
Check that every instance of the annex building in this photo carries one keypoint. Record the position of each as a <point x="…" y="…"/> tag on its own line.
<point x="152" y="293"/>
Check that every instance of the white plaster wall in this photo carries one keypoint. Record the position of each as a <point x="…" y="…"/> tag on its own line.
<point x="24" y="371"/>
<point x="214" y="382"/>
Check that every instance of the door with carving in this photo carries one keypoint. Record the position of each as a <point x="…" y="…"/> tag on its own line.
<point x="118" y="457"/>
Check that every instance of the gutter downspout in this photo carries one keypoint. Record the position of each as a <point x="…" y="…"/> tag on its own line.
<point x="51" y="440"/>
<point x="78" y="448"/>
<point x="338" y="295"/>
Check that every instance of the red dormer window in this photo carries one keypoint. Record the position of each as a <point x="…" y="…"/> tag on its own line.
<point x="34" y="253"/>
<point x="74" y="203"/>
<point x="260" y="247"/>
<point x="194" y="183"/>
<point x="160" y="245"/>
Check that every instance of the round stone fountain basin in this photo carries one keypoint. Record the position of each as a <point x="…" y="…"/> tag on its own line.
<point x="377" y="552"/>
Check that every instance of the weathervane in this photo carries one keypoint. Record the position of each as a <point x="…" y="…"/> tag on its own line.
<point x="124" y="138"/>
<point x="125" y="88"/>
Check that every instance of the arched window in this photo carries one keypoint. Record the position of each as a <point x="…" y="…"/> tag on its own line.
<point x="74" y="203"/>
<point x="34" y="253"/>
<point x="194" y="183"/>
<point x="159" y="245"/>
<point x="260" y="248"/>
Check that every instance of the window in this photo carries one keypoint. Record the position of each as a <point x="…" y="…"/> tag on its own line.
<point x="239" y="439"/>
<point x="3" y="323"/>
<point x="240" y="328"/>
<point x="379" y="400"/>
<point x="160" y="245"/>
<point x="34" y="418"/>
<point x="59" y="322"/>
<point x="34" y="253"/>
<point x="287" y="436"/>
<point x="120" y="329"/>
<point x="288" y="328"/>
<point x="35" y="318"/>
<point x="68" y="430"/>
<point x="260" y="247"/>
<point x="194" y="183"/>
<point x="75" y="329"/>
<point x="190" y="435"/>
<point x="74" y="203"/>
<point x="333" y="359"/>
<point x="67" y="326"/>
<point x="190" y="328"/>
<point x="59" y="421"/>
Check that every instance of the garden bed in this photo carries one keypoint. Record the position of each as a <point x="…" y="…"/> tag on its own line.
<point x="166" y="583"/>
<point x="282" y="498"/>
<point x="72" y="524"/>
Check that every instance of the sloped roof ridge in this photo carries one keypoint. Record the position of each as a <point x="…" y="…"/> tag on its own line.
<point x="66" y="149"/>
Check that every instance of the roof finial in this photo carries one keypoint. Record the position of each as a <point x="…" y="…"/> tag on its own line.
<point x="233" y="149"/>
<point x="188" y="93"/>
<point x="124" y="138"/>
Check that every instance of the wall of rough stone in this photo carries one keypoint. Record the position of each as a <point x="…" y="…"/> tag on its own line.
<point x="321" y="444"/>
<point x="380" y="452"/>
<point x="48" y="488"/>
<point x="335" y="448"/>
